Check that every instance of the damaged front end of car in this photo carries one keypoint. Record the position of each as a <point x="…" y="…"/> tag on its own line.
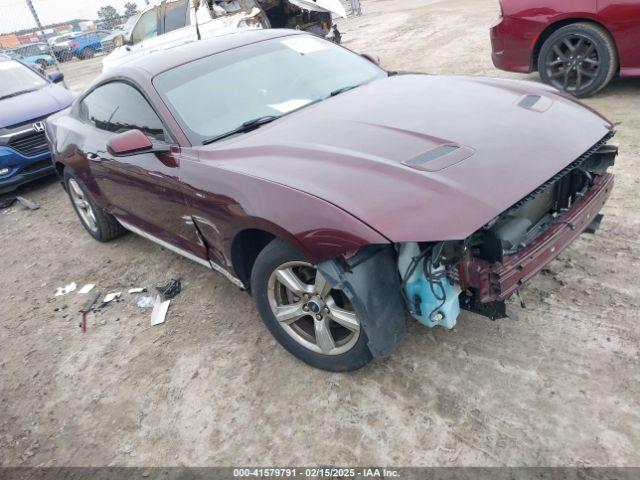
<point x="306" y="15"/>
<point x="434" y="281"/>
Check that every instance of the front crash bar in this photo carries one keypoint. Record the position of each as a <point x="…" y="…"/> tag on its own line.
<point x="371" y="282"/>
<point x="498" y="281"/>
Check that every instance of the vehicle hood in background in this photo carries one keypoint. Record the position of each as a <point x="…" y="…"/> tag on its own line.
<point x="40" y="103"/>
<point x="418" y="157"/>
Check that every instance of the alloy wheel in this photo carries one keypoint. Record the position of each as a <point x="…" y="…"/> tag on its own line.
<point x="573" y="63"/>
<point x="310" y="311"/>
<point x="82" y="206"/>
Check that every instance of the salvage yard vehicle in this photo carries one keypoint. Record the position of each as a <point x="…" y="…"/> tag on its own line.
<point x="576" y="46"/>
<point x="342" y="196"/>
<point x="26" y="99"/>
<point x="80" y="45"/>
<point x="169" y="23"/>
<point x="36" y="54"/>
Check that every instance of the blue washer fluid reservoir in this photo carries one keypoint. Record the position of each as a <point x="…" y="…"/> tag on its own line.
<point x="423" y="304"/>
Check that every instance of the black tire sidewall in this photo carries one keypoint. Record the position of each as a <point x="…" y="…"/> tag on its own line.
<point x="601" y="79"/>
<point x="274" y="255"/>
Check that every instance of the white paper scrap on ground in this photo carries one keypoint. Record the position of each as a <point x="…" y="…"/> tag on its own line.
<point x="136" y="290"/>
<point x="66" y="289"/>
<point x="159" y="312"/>
<point x="111" y="296"/>
<point x="87" y="288"/>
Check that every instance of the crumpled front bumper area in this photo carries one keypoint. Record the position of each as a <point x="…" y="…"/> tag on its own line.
<point x="496" y="282"/>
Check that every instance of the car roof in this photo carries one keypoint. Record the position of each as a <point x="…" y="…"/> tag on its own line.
<point x="167" y="59"/>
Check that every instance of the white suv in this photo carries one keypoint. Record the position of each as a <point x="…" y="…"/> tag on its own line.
<point x="168" y="23"/>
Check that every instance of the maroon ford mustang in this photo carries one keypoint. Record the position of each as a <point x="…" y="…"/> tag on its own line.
<point x="340" y="195"/>
<point x="576" y="45"/>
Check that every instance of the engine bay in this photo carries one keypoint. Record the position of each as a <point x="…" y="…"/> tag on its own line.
<point x="479" y="273"/>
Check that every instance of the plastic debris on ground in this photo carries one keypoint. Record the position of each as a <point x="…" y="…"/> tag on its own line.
<point x="109" y="297"/>
<point x="87" y="288"/>
<point x="144" y="301"/>
<point x="66" y="289"/>
<point x="171" y="289"/>
<point x="159" y="312"/>
<point x="137" y="290"/>
<point x="26" y="203"/>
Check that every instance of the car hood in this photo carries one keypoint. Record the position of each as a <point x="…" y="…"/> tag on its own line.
<point x="40" y="103"/>
<point x="418" y="157"/>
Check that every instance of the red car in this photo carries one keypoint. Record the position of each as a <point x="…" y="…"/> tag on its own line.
<point x="576" y="45"/>
<point x="342" y="196"/>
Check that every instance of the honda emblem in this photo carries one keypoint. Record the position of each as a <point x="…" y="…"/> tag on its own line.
<point x="38" y="126"/>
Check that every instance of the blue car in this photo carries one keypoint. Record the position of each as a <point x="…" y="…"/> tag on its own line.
<point x="26" y="100"/>
<point x="36" y="54"/>
<point x="81" y="45"/>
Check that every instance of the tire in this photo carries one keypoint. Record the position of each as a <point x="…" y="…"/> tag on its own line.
<point x="350" y="353"/>
<point x="43" y="65"/>
<point x="106" y="227"/>
<point x="580" y="58"/>
<point x="87" y="53"/>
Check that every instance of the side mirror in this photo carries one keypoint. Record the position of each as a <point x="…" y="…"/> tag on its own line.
<point x="133" y="142"/>
<point x="372" y="58"/>
<point x="56" y="77"/>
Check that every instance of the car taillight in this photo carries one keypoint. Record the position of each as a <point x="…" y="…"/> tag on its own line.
<point x="74" y="44"/>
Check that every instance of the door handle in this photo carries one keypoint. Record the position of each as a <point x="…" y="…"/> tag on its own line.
<point x="93" y="156"/>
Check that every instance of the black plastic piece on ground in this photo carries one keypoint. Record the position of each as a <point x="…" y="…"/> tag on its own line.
<point x="171" y="289"/>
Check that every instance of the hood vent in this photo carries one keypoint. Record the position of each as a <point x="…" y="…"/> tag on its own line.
<point x="535" y="103"/>
<point x="440" y="158"/>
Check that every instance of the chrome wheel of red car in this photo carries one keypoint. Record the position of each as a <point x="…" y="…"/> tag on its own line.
<point x="579" y="59"/>
<point x="82" y="206"/>
<point x="310" y="312"/>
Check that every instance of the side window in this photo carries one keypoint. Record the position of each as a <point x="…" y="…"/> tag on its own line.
<point x="118" y="107"/>
<point x="176" y="15"/>
<point x="147" y="27"/>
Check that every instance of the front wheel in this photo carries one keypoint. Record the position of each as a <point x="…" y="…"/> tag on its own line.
<point x="580" y="59"/>
<point x="306" y="316"/>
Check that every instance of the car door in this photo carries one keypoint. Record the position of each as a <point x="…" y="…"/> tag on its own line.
<point x="173" y="27"/>
<point x="146" y="29"/>
<point x="622" y="18"/>
<point x="143" y="189"/>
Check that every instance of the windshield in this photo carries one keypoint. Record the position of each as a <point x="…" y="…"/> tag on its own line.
<point x="15" y="78"/>
<point x="215" y="95"/>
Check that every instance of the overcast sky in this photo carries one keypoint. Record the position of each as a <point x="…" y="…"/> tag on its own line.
<point x="14" y="14"/>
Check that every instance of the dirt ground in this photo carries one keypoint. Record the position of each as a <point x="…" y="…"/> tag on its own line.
<point x="561" y="386"/>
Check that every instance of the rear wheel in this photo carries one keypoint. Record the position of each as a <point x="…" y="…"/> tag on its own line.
<point x="307" y="317"/>
<point x="42" y="65"/>
<point x="101" y="225"/>
<point x="580" y="58"/>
